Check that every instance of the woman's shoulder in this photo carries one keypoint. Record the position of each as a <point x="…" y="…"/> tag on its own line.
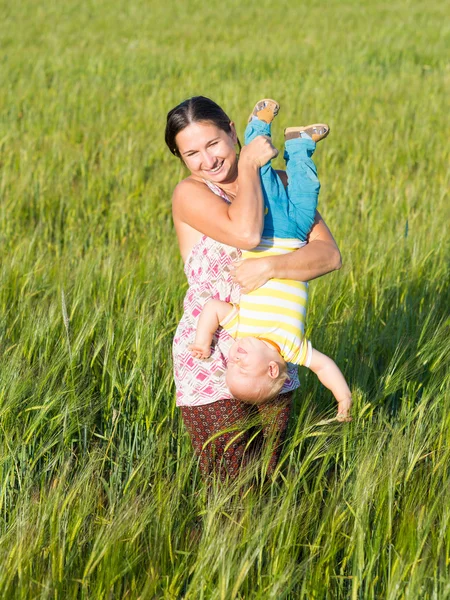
<point x="189" y="186"/>
<point x="204" y="194"/>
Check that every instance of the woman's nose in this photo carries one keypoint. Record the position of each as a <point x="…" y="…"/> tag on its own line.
<point x="208" y="160"/>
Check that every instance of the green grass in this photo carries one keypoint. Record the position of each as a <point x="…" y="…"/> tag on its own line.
<point x="100" y="495"/>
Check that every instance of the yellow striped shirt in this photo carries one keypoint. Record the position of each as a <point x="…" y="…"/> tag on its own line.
<point x="277" y="310"/>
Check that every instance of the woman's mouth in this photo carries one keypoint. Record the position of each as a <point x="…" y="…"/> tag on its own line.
<point x="216" y="169"/>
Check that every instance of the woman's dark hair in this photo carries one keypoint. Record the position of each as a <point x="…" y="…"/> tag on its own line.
<point x="193" y="110"/>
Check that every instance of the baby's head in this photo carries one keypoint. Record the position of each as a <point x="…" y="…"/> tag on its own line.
<point x="256" y="370"/>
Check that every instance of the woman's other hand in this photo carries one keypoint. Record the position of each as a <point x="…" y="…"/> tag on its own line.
<point x="259" y="151"/>
<point x="250" y="274"/>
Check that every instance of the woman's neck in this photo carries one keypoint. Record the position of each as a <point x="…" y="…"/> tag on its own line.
<point x="230" y="185"/>
<point x="230" y="189"/>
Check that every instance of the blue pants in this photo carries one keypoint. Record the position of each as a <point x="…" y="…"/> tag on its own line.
<point x="289" y="212"/>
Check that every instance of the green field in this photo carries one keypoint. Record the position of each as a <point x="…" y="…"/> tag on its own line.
<point x="100" y="495"/>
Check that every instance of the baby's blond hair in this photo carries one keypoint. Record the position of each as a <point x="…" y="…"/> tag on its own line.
<point x="268" y="390"/>
<point x="275" y="386"/>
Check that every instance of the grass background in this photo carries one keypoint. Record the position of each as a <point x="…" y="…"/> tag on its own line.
<point x="99" y="492"/>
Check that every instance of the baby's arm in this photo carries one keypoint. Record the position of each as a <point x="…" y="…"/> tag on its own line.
<point x="330" y="375"/>
<point x="212" y="314"/>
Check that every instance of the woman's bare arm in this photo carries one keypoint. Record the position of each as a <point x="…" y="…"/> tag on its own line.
<point x="239" y="223"/>
<point x="320" y="256"/>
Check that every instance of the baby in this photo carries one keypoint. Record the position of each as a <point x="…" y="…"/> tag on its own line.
<point x="268" y="326"/>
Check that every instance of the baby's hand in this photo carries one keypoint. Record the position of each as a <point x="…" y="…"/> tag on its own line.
<point x="344" y="407"/>
<point x="199" y="351"/>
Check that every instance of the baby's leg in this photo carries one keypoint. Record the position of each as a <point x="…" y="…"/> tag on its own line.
<point x="276" y="220"/>
<point x="303" y="183"/>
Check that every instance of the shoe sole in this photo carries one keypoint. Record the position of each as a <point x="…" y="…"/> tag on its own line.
<point x="309" y="129"/>
<point x="266" y="114"/>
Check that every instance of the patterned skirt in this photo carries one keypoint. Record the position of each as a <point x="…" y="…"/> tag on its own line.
<point x="225" y="433"/>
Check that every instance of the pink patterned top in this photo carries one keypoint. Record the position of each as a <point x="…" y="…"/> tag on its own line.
<point x="207" y="270"/>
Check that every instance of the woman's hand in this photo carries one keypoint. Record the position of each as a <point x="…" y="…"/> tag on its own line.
<point x="250" y="274"/>
<point x="258" y="152"/>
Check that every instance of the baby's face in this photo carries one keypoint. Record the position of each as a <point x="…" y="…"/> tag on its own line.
<point x="248" y="367"/>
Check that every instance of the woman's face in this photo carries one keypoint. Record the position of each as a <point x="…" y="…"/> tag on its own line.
<point x="208" y="151"/>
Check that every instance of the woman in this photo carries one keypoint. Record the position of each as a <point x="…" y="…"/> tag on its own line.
<point x="216" y="210"/>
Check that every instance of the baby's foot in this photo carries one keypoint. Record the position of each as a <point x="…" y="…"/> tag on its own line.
<point x="265" y="110"/>
<point x="316" y="132"/>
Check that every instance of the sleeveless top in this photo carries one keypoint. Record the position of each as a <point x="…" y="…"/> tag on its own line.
<point x="207" y="269"/>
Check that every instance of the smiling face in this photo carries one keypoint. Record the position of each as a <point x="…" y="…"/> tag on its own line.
<point x="208" y="151"/>
<point x="256" y="371"/>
